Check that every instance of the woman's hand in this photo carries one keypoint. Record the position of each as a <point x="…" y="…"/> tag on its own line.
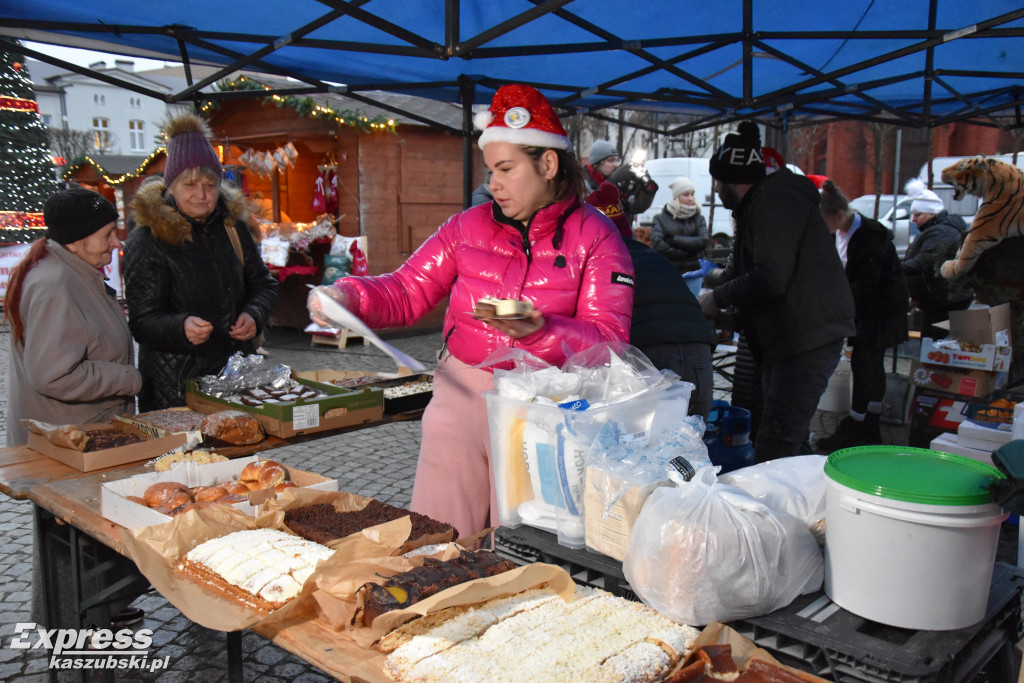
<point x="197" y="330"/>
<point x="316" y="310"/>
<point x="517" y="329"/>
<point x="244" y="328"/>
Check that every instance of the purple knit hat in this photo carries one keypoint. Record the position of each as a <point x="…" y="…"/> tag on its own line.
<point x="188" y="146"/>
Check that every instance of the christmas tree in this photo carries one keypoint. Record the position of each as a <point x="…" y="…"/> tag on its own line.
<point x="26" y="172"/>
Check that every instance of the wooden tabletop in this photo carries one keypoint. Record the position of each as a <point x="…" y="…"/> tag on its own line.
<point x="76" y="500"/>
<point x="21" y="468"/>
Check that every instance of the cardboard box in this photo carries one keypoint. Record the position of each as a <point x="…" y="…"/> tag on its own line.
<point x="340" y="408"/>
<point x="608" y="528"/>
<point x="987" y="326"/>
<point x="122" y="455"/>
<point x="116" y="507"/>
<point x="982" y="324"/>
<point x="392" y="406"/>
<point x="984" y="436"/>
<point x="950" y="443"/>
<point x="972" y="383"/>
<point x="933" y="413"/>
<point x="154" y="431"/>
<point x="952" y="353"/>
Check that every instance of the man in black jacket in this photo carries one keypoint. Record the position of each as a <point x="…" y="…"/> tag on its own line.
<point x="787" y="286"/>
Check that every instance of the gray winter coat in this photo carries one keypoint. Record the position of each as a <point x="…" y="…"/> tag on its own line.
<point x="76" y="365"/>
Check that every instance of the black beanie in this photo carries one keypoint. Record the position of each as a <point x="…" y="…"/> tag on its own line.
<point x="739" y="159"/>
<point x="76" y="213"/>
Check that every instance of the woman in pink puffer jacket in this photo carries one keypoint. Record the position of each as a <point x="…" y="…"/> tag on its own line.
<point x="536" y="241"/>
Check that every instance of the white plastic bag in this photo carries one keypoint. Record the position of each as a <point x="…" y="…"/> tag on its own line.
<point x="794" y="485"/>
<point x="703" y="551"/>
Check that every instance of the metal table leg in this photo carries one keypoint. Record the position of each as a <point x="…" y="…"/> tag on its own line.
<point x="234" y="646"/>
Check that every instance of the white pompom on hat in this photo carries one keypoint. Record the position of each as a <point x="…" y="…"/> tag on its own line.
<point x="680" y="185"/>
<point x="925" y="201"/>
<point x="519" y="114"/>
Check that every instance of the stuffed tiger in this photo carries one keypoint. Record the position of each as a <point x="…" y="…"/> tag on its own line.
<point x="1001" y="214"/>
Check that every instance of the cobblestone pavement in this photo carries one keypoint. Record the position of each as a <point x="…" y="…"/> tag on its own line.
<point x="378" y="462"/>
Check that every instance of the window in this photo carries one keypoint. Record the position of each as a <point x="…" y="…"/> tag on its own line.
<point x="47" y="119"/>
<point x="136" y="136"/>
<point x="100" y="132"/>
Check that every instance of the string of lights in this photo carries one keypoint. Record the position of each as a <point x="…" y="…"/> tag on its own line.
<point x="27" y="174"/>
<point x="307" y="106"/>
<point x="111" y="178"/>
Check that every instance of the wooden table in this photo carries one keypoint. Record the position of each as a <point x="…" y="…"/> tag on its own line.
<point x="64" y="496"/>
<point x="76" y="501"/>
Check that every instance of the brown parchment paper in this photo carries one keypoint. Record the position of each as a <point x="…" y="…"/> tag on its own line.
<point x="340" y="601"/>
<point x="743" y="650"/>
<point x="157" y="550"/>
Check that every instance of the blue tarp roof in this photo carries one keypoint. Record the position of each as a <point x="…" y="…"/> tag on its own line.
<point x="909" y="62"/>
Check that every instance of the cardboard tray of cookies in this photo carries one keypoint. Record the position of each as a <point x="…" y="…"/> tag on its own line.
<point x="334" y="408"/>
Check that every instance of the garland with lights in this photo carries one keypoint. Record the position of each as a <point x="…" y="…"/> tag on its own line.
<point x="84" y="159"/>
<point x="27" y="175"/>
<point x="310" y="108"/>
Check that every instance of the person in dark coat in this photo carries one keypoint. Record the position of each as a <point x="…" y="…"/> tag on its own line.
<point x="880" y="298"/>
<point x="787" y="285"/>
<point x="196" y="287"/>
<point x="668" y="326"/>
<point x="940" y="238"/>
<point x="680" y="232"/>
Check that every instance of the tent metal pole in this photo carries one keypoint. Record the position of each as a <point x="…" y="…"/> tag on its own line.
<point x="466" y="95"/>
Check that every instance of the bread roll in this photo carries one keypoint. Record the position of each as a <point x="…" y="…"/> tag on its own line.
<point x="166" y="494"/>
<point x="237" y="488"/>
<point x="251" y="472"/>
<point x="137" y="500"/>
<point x="284" y="485"/>
<point x="210" y="493"/>
<point x="233" y="426"/>
<point x="271" y="475"/>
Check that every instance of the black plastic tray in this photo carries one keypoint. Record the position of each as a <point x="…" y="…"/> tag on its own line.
<point x="404" y="404"/>
<point x="815" y="635"/>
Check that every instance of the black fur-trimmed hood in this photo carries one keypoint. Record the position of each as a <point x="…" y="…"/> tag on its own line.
<point x="171" y="226"/>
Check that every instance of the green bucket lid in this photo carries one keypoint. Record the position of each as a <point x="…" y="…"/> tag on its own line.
<point x="913" y="475"/>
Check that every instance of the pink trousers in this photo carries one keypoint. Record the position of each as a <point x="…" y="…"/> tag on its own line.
<point x="454" y="474"/>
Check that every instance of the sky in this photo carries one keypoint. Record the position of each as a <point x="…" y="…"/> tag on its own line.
<point x="87" y="57"/>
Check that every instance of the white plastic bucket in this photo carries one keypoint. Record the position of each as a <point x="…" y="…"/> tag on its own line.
<point x="912" y="565"/>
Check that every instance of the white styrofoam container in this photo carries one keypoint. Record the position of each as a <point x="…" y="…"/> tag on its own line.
<point x="116" y="507"/>
<point x="950" y="443"/>
<point x="911" y="565"/>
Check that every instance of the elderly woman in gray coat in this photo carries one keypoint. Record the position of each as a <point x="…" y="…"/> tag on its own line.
<point x="71" y="351"/>
<point x="72" y="363"/>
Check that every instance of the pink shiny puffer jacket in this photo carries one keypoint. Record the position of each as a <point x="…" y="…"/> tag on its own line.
<point x="584" y="286"/>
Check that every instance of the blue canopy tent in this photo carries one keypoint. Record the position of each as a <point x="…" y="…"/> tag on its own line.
<point x="905" y="62"/>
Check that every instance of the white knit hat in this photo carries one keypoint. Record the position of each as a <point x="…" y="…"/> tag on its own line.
<point x="680" y="185"/>
<point x="925" y="201"/>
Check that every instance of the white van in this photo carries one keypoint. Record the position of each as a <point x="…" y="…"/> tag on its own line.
<point x="664" y="171"/>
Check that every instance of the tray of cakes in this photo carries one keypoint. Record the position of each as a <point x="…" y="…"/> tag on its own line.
<point x="403" y="391"/>
<point x="94" y="446"/>
<point x="156" y="498"/>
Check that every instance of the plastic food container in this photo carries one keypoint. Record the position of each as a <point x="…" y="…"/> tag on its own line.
<point x="910" y="536"/>
<point x="540" y="453"/>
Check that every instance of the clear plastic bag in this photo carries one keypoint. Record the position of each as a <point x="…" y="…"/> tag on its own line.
<point x="703" y="551"/>
<point x="613" y="371"/>
<point x="795" y="485"/>
<point x="621" y="474"/>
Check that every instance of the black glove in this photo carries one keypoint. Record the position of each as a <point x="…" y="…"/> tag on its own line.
<point x="1009" y="493"/>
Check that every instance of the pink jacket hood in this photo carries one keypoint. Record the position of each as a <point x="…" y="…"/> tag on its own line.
<point x="573" y="267"/>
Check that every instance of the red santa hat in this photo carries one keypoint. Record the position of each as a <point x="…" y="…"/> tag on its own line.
<point x="521" y="115"/>
<point x="607" y="199"/>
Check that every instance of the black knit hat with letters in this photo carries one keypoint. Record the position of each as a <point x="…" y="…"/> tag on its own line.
<point x="739" y="159"/>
